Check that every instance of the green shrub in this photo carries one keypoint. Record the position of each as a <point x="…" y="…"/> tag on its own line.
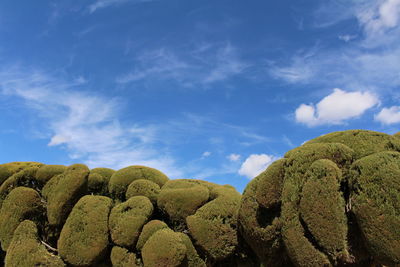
<point x="121" y="179"/>
<point x="8" y="169"/>
<point x="376" y="202"/>
<point x="193" y="258"/>
<point x="63" y="191"/>
<point x="20" y="204"/>
<point x="25" y="177"/>
<point x="46" y="172"/>
<point x="84" y="236"/>
<point x="25" y="249"/>
<point x="214" y="226"/>
<point x="148" y="230"/>
<point x="127" y="219"/>
<point x="182" y="197"/>
<point x="145" y="188"/>
<point x="98" y="180"/>
<point x="259" y="219"/>
<point x="164" y="248"/>
<point x="121" y="257"/>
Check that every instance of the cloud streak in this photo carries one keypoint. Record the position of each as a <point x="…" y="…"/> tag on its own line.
<point x="99" y="4"/>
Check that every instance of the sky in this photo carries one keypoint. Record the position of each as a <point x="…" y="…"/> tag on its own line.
<point x="212" y="90"/>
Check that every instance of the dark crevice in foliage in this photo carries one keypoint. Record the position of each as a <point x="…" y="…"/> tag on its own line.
<point x="265" y="216"/>
<point x="309" y="236"/>
<point x="2" y="257"/>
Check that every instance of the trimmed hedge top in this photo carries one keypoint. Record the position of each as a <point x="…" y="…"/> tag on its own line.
<point x="334" y="201"/>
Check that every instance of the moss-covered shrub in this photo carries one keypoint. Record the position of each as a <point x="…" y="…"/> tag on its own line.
<point x="311" y="207"/>
<point x="26" y="249"/>
<point x="121" y="179"/>
<point x="121" y="257"/>
<point x="84" y="238"/>
<point x="164" y="248"/>
<point x="127" y="219"/>
<point x="148" y="230"/>
<point x="20" y="204"/>
<point x="181" y="198"/>
<point x="46" y="172"/>
<point x="8" y="169"/>
<point x="145" y="188"/>
<point x="63" y="191"/>
<point x="98" y="180"/>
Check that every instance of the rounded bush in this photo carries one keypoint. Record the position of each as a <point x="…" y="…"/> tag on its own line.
<point x="164" y="248"/>
<point x="63" y="191"/>
<point x="122" y="178"/>
<point x="181" y="198"/>
<point x="127" y="219"/>
<point x="46" y="172"/>
<point x="84" y="237"/>
<point x="121" y="257"/>
<point x="26" y="250"/>
<point x="148" y="230"/>
<point x="20" y="204"/>
<point x="145" y="188"/>
<point x="8" y="169"/>
<point x="98" y="180"/>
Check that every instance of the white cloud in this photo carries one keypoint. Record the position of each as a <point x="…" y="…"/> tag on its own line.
<point x="202" y="66"/>
<point x="206" y="154"/>
<point x="336" y="108"/>
<point x="389" y="115"/>
<point x="234" y="157"/>
<point x="255" y="164"/>
<point x="86" y="124"/>
<point x="107" y="3"/>
<point x="347" y="37"/>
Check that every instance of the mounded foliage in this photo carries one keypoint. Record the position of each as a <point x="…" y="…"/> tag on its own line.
<point x="46" y="172"/>
<point x="26" y="249"/>
<point x="98" y="180"/>
<point x="145" y="188"/>
<point x="84" y="237"/>
<point x="127" y="220"/>
<point x="63" y="191"/>
<point x="121" y="179"/>
<point x="8" y="169"/>
<point x="148" y="230"/>
<point x="20" y="204"/>
<point x="121" y="257"/>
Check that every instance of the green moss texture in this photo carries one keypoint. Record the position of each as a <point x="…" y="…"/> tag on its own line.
<point x="334" y="201"/>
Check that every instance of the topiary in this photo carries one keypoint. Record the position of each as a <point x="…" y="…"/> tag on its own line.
<point x="84" y="236"/>
<point x="121" y="179"/>
<point x="20" y="204"/>
<point x="63" y="191"/>
<point x="127" y="219"/>
<point x="26" y="250"/>
<point x="148" y="230"/>
<point x="8" y="169"/>
<point x="121" y="257"/>
<point x="145" y="188"/>
<point x="46" y="172"/>
<point x="98" y="180"/>
<point x="322" y="202"/>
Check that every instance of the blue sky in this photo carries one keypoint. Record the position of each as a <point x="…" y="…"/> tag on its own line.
<point x="212" y="90"/>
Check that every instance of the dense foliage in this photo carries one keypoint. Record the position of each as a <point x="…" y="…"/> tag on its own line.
<point x="334" y="201"/>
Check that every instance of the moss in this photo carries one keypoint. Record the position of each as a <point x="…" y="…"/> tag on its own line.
<point x="46" y="172"/>
<point x="84" y="236"/>
<point x="148" y="230"/>
<point x="121" y="257"/>
<point x="164" y="248"/>
<point x="214" y="225"/>
<point x="145" y="188"/>
<point x="8" y="169"/>
<point x="322" y="208"/>
<point x="121" y="179"/>
<point x="98" y="180"/>
<point x="182" y="197"/>
<point x="25" y="249"/>
<point x="376" y="204"/>
<point x="63" y="191"/>
<point x="127" y="219"/>
<point x="193" y="258"/>
<point x="25" y="177"/>
<point x="21" y="203"/>
<point x="397" y="135"/>
<point x="363" y="142"/>
<point x="259" y="221"/>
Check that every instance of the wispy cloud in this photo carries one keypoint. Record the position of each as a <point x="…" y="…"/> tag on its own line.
<point x="107" y="3"/>
<point x="202" y="65"/>
<point x="86" y="125"/>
